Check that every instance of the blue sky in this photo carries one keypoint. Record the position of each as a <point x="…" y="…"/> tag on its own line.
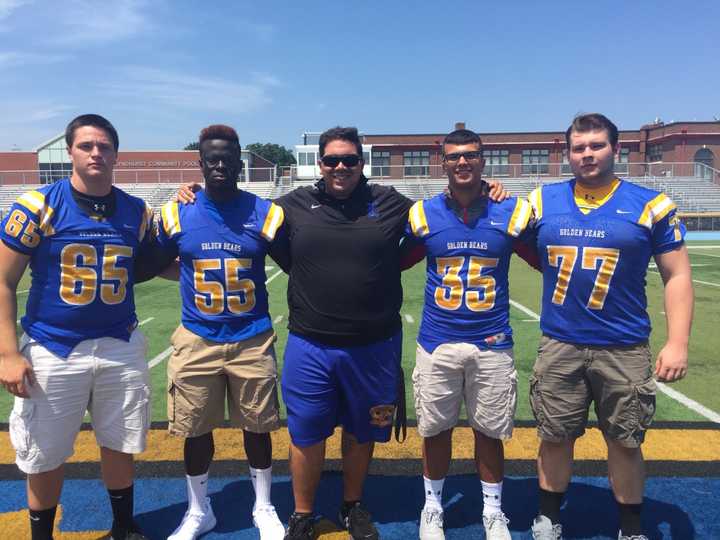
<point x="160" y="70"/>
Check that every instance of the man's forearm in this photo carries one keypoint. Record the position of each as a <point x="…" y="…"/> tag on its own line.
<point x="8" y="316"/>
<point x="679" y="303"/>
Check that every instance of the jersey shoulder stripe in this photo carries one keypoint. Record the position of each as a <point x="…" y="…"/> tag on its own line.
<point x="146" y="222"/>
<point x="37" y="203"/>
<point x="655" y="210"/>
<point x="418" y="221"/>
<point x="273" y="221"/>
<point x="520" y="217"/>
<point x="170" y="214"/>
<point x="535" y="200"/>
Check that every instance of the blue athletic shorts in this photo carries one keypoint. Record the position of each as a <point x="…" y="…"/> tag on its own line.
<point x="356" y="387"/>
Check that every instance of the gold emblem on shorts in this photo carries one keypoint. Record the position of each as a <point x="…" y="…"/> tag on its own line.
<point x="382" y="415"/>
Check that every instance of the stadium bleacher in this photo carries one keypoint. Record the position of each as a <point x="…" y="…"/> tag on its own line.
<point x="691" y="194"/>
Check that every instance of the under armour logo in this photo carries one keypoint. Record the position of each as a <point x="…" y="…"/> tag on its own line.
<point x="99" y="207"/>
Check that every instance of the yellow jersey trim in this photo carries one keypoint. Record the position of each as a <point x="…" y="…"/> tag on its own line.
<point x="274" y="219"/>
<point x="535" y="200"/>
<point x="655" y="210"/>
<point x="418" y="221"/>
<point x="171" y="218"/>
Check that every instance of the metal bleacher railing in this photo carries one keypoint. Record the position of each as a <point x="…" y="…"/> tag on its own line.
<point x="694" y="187"/>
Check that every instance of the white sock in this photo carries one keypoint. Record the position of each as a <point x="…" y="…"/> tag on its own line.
<point x="433" y="493"/>
<point x="197" y="493"/>
<point x="492" y="497"/>
<point x="262" y="481"/>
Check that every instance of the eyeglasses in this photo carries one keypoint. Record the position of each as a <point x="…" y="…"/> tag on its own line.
<point x="469" y="156"/>
<point x="349" y="160"/>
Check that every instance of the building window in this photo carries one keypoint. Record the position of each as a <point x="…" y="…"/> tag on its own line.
<point x="496" y="162"/>
<point x="306" y="158"/>
<point x="654" y="153"/>
<point x="704" y="161"/>
<point x="366" y="158"/>
<point x="565" y="167"/>
<point x="622" y="161"/>
<point x="535" y="161"/>
<point x="52" y="172"/>
<point x="416" y="163"/>
<point x="380" y="163"/>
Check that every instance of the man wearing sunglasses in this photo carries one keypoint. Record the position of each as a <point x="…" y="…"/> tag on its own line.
<point x="464" y="349"/>
<point x="342" y="359"/>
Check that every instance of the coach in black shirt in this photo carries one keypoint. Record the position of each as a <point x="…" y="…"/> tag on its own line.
<point x="342" y="360"/>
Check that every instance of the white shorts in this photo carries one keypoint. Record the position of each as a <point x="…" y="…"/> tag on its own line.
<point x="485" y="379"/>
<point x="108" y="377"/>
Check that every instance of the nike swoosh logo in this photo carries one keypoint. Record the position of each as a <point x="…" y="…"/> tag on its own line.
<point x="248" y="225"/>
<point x="496" y="223"/>
<point x="314" y="206"/>
<point x="35" y="518"/>
<point x="623" y="211"/>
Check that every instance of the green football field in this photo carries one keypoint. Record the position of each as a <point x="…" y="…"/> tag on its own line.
<point x="158" y="307"/>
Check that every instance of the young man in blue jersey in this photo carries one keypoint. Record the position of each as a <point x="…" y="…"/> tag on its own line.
<point x="464" y="350"/>
<point x="81" y="348"/>
<point x="596" y="235"/>
<point x="223" y="349"/>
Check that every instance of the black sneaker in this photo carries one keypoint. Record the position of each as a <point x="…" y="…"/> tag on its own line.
<point x="358" y="523"/>
<point x="133" y="533"/>
<point x="300" y="527"/>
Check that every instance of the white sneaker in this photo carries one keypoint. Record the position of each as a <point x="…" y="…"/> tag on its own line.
<point x="268" y="523"/>
<point x="543" y="529"/>
<point x="431" y="524"/>
<point x="496" y="527"/>
<point x="193" y="525"/>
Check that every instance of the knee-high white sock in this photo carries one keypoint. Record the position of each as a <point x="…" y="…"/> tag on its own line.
<point x="197" y="493"/>
<point x="262" y="481"/>
<point x="492" y="497"/>
<point x="433" y="493"/>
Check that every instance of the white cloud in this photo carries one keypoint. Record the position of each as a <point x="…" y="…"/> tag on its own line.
<point x="84" y="21"/>
<point x="8" y="6"/>
<point x="193" y="92"/>
<point x="14" y="58"/>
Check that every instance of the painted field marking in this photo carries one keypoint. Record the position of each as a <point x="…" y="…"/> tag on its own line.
<point x="409" y="318"/>
<point x="691" y="404"/>
<point x="144" y="321"/>
<point x="694" y="280"/>
<point x="707" y="255"/>
<point x="674" y="394"/>
<point x="703" y="247"/>
<point x="160" y="357"/>
<point x="526" y="311"/>
<point x="528" y="320"/>
<point x="653" y="265"/>
<point x="23" y="291"/>
<point x="163" y="355"/>
<point x="278" y="319"/>
<point x="269" y="268"/>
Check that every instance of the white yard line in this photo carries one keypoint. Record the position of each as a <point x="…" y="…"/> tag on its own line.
<point x="706" y="255"/>
<point x="703" y="247"/>
<point x="711" y="284"/>
<point x="674" y="394"/>
<point x="276" y="274"/>
<point x="409" y="318"/>
<point x="525" y="310"/>
<point x="23" y="291"/>
<point x="145" y="321"/>
<point x="269" y="268"/>
<point x="160" y="357"/>
<point x="689" y="403"/>
<point x="278" y="319"/>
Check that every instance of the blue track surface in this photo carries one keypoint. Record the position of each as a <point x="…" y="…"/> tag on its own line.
<point x="679" y="508"/>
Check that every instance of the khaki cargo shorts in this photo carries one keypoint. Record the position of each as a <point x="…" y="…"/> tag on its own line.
<point x="485" y="380"/>
<point x="568" y="377"/>
<point x="202" y="373"/>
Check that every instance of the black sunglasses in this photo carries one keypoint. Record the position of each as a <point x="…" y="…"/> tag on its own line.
<point x="349" y="160"/>
<point x="469" y="156"/>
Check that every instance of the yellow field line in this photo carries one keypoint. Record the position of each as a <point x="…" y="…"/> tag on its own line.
<point x="660" y="445"/>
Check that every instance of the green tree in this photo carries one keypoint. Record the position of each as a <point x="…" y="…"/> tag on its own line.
<point x="275" y="153"/>
<point x="192" y="146"/>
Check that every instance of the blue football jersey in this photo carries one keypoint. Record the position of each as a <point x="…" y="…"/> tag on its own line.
<point x="594" y="265"/>
<point x="466" y="293"/>
<point x="222" y="248"/>
<point x="81" y="267"/>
